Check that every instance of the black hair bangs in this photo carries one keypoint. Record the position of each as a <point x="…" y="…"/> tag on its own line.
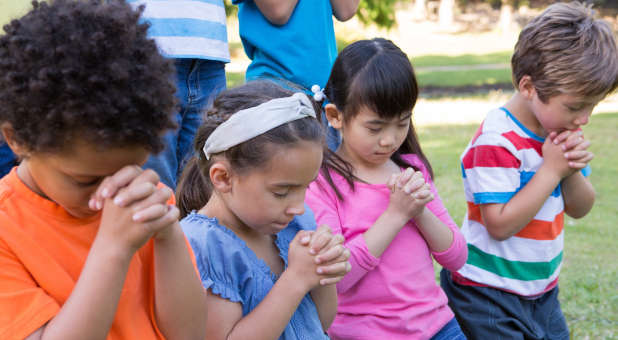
<point x="385" y="85"/>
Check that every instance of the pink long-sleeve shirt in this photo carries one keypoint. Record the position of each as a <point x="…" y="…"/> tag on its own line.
<point x="394" y="296"/>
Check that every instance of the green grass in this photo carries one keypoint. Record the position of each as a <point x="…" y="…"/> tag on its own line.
<point x="589" y="278"/>
<point x="464" y="59"/>
<point x="463" y="77"/>
<point x="433" y="78"/>
<point x="234" y="79"/>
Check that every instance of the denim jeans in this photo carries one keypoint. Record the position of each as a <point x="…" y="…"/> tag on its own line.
<point x="487" y="313"/>
<point x="198" y="82"/>
<point x="450" y="331"/>
<point x="7" y="159"/>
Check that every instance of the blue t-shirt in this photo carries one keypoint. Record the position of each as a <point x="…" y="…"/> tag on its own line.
<point x="232" y="270"/>
<point x="301" y="51"/>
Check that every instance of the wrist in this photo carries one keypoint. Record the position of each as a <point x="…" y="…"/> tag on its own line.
<point x="294" y="282"/>
<point x="111" y="252"/>
<point x="548" y="174"/>
<point x="170" y="233"/>
<point x="395" y="218"/>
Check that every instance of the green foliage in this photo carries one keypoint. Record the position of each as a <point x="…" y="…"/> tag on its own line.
<point x="230" y="9"/>
<point x="379" y="12"/>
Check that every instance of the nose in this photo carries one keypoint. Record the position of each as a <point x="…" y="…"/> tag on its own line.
<point x="296" y="208"/>
<point x="386" y="140"/>
<point x="583" y="119"/>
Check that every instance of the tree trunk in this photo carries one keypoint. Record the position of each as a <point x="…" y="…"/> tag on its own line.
<point x="420" y="10"/>
<point x="446" y="13"/>
<point x="507" y="21"/>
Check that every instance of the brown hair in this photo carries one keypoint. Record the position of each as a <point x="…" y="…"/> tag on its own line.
<point x="194" y="188"/>
<point x="566" y="50"/>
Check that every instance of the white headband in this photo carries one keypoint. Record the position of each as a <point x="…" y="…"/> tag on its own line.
<point x="252" y="122"/>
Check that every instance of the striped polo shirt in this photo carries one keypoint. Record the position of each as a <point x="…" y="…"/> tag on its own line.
<point x="501" y="158"/>
<point x="187" y="28"/>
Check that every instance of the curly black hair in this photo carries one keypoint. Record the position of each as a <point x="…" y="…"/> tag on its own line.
<point x="84" y="69"/>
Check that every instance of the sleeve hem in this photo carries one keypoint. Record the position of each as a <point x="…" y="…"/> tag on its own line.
<point x="364" y="258"/>
<point x="25" y="326"/>
<point x="224" y="291"/>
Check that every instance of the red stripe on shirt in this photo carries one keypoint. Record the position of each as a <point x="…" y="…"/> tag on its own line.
<point x="489" y="156"/>
<point x="520" y="142"/>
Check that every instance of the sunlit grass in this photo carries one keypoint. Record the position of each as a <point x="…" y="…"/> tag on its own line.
<point x="589" y="278"/>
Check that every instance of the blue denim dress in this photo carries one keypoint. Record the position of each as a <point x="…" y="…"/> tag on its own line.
<point x="232" y="270"/>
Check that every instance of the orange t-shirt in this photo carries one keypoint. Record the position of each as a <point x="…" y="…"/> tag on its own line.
<point x="42" y="252"/>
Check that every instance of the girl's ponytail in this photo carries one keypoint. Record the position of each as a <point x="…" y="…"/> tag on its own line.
<point x="193" y="190"/>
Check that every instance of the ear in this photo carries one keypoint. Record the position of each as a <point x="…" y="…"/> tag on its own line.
<point x="8" y="133"/>
<point x="334" y="116"/>
<point x="526" y="87"/>
<point x="221" y="177"/>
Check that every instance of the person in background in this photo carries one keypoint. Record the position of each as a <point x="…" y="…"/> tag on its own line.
<point x="193" y="34"/>
<point x="293" y="40"/>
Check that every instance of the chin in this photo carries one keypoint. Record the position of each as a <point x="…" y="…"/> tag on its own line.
<point x="82" y="213"/>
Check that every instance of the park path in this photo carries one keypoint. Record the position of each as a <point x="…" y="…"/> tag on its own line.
<point x="429" y="112"/>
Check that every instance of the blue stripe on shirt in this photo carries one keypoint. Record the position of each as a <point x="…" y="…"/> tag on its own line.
<point x="187" y="28"/>
<point x="212" y="2"/>
<point x="492" y="197"/>
<point x="526" y="176"/>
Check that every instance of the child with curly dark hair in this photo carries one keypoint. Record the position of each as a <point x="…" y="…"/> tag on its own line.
<point x="90" y="245"/>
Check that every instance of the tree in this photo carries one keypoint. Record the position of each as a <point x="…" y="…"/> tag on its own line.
<point x="379" y="12"/>
<point x="420" y="10"/>
<point x="446" y="13"/>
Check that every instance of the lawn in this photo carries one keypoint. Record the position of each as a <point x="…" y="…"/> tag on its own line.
<point x="432" y="78"/>
<point x="589" y="278"/>
<point x="439" y="78"/>
<point x="464" y="59"/>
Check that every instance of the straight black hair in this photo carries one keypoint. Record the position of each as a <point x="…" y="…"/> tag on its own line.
<point x="377" y="75"/>
<point x="194" y="188"/>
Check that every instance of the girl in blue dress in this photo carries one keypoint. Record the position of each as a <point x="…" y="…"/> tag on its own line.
<point x="269" y="273"/>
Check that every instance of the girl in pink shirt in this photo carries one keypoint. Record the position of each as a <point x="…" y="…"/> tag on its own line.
<point x="377" y="191"/>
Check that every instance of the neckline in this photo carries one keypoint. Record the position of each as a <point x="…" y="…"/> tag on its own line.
<point x="260" y="263"/>
<point x="522" y="126"/>
<point x="44" y="205"/>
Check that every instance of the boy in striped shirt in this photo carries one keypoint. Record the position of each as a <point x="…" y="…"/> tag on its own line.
<point x="526" y="167"/>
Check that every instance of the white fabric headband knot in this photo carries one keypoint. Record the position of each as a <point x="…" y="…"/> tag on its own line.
<point x="254" y="121"/>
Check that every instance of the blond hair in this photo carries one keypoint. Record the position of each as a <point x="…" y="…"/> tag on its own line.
<point x="567" y="50"/>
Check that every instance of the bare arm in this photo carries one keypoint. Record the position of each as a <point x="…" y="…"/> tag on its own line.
<point x="180" y="300"/>
<point x="505" y="220"/>
<point x="277" y="307"/>
<point x="325" y="299"/>
<point x="277" y="12"/>
<point x="437" y="234"/>
<point x="344" y="9"/>
<point x="578" y="195"/>
<point x="577" y="190"/>
<point x="402" y="207"/>
<point x="89" y="311"/>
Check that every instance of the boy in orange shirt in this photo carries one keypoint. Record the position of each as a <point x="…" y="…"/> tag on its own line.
<point x="90" y="247"/>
